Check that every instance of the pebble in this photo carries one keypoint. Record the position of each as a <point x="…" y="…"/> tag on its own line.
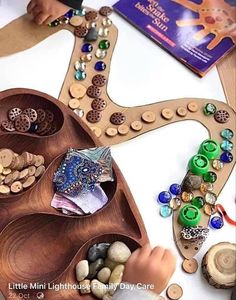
<point x="85" y="287"/>
<point x="107" y="297"/>
<point x="95" y="267"/>
<point x="104" y="275"/>
<point x="82" y="270"/>
<point x="110" y="264"/>
<point x="98" y="251"/>
<point x="98" y="289"/>
<point x="117" y="275"/>
<point x="191" y="182"/>
<point x="119" y="252"/>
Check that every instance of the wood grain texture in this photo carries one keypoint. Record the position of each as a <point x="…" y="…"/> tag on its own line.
<point x="38" y="243"/>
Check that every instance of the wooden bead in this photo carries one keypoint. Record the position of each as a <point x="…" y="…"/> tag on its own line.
<point x="77" y="90"/>
<point x="111" y="131"/>
<point x="136" y="125"/>
<point x="192" y="106"/>
<point x="74" y="103"/>
<point x="123" y="129"/>
<point x="96" y="130"/>
<point x="181" y="112"/>
<point x="167" y="114"/>
<point x="149" y="117"/>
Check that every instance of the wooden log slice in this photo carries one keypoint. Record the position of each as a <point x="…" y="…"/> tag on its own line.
<point x="219" y="265"/>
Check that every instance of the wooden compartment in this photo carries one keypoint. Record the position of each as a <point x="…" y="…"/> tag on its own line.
<point x="38" y="244"/>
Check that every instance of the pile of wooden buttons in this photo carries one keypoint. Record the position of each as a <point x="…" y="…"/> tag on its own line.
<point x="19" y="172"/>
<point x="39" y="121"/>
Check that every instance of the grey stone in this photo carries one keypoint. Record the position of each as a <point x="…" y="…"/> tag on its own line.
<point x="98" y="251"/>
<point x="191" y="182"/>
<point x="92" y="35"/>
<point x="95" y="267"/>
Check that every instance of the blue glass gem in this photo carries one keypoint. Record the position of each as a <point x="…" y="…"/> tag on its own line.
<point x="80" y="75"/>
<point x="217" y="222"/>
<point x="87" y="48"/>
<point x="227" y="134"/>
<point x="33" y="127"/>
<point x="175" y="189"/>
<point x="164" y="197"/>
<point x="226" y="157"/>
<point x="100" y="66"/>
<point x="165" y="211"/>
<point x="69" y="14"/>
<point x="226" y="145"/>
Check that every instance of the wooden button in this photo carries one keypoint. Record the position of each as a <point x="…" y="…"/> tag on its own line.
<point x="149" y="116"/>
<point x="24" y="173"/>
<point x="40" y="170"/>
<point x="190" y="265"/>
<point x="117" y="118"/>
<point x="41" y="115"/>
<point x="99" y="80"/>
<point x="77" y="90"/>
<point x="91" y="15"/>
<point x="32" y="170"/>
<point x="29" y="182"/>
<point x="93" y="91"/>
<point x="4" y="189"/>
<point x="22" y="123"/>
<point x="167" y="114"/>
<point x="93" y="116"/>
<point x="174" y="292"/>
<point x="81" y="31"/>
<point x="111" y="131"/>
<point x="136" y="125"/>
<point x="105" y="11"/>
<point x="74" y="103"/>
<point x="31" y="113"/>
<point x="6" y="157"/>
<point x="16" y="187"/>
<point x="13" y="113"/>
<point x="222" y="116"/>
<point x="8" y="126"/>
<point x="123" y="129"/>
<point x="181" y="111"/>
<point x="98" y="104"/>
<point x="76" y="21"/>
<point x="39" y="160"/>
<point x="192" y="106"/>
<point x="97" y="131"/>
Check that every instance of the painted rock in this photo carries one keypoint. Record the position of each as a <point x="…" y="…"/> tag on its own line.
<point x="110" y="264"/>
<point x="85" y="287"/>
<point x="104" y="275"/>
<point x="98" y="251"/>
<point x="191" y="182"/>
<point x="95" y="267"/>
<point x="98" y="288"/>
<point x="82" y="270"/>
<point x="119" y="252"/>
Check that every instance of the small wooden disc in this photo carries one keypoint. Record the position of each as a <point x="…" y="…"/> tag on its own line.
<point x="32" y="170"/>
<point x="4" y="189"/>
<point x="77" y="90"/>
<point x="22" y="123"/>
<point x="31" y="113"/>
<point x="174" y="292"/>
<point x="6" y="157"/>
<point x="24" y="173"/>
<point x="181" y="112"/>
<point x="74" y="103"/>
<point x="167" y="113"/>
<point x="111" y="131"/>
<point x="149" y="116"/>
<point x="40" y="170"/>
<point x="29" y="182"/>
<point x="123" y="129"/>
<point x="1" y="168"/>
<point x="218" y="265"/>
<point x="136" y="125"/>
<point x="190" y="265"/>
<point x="6" y="171"/>
<point x="76" y="21"/>
<point x="16" y="187"/>
<point x="96" y="130"/>
<point x="39" y="160"/>
<point x="193" y="106"/>
<point x="8" y="126"/>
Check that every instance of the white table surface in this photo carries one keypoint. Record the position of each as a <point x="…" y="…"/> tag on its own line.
<point x="150" y="163"/>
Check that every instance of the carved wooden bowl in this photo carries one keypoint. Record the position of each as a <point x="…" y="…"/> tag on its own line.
<point x="38" y="244"/>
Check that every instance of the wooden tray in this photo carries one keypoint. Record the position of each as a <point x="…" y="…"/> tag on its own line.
<point x="38" y="243"/>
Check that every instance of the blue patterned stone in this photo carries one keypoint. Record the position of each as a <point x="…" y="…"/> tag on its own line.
<point x="226" y="145"/>
<point x="175" y="189"/>
<point x="86" y="48"/>
<point x="164" y="197"/>
<point x="217" y="222"/>
<point x="165" y="211"/>
<point x="80" y="75"/>
<point x="226" y="157"/>
<point x="100" y="66"/>
<point x="227" y="134"/>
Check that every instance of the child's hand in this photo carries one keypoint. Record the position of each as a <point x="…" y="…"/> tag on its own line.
<point x="46" y="11"/>
<point x="150" y="266"/>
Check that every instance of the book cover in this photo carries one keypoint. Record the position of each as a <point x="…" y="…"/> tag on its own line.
<point x="196" y="32"/>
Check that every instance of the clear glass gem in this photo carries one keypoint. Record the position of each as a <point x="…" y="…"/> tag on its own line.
<point x="103" y="32"/>
<point x="206" y="187"/>
<point x="101" y="53"/>
<point x="210" y="198"/>
<point x="217" y="164"/>
<point x="175" y="203"/>
<point x="106" y="22"/>
<point x="80" y="66"/>
<point x="79" y="112"/>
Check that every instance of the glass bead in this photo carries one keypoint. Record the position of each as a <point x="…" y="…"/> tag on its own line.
<point x="210" y="177"/>
<point x="79" y="112"/>
<point x="101" y="53"/>
<point x="69" y="14"/>
<point x="91" y="25"/>
<point x="198" y="202"/>
<point x="187" y="197"/>
<point x="227" y="145"/>
<point x="80" y="75"/>
<point x="80" y="66"/>
<point x="103" y="32"/>
<point x="106" y="22"/>
<point x="80" y="12"/>
<point x="226" y="157"/>
<point x="54" y="23"/>
<point x="216" y="222"/>
<point x="86" y="57"/>
<point x="175" y="189"/>
<point x="104" y="44"/>
<point x="175" y="203"/>
<point x="165" y="211"/>
<point x="217" y="164"/>
<point x="33" y="128"/>
<point x="206" y="187"/>
<point x="64" y="20"/>
<point x="209" y="209"/>
<point x="100" y="66"/>
<point x="87" y="48"/>
<point x="164" y="197"/>
<point x="209" y="109"/>
<point x="210" y="198"/>
<point x="227" y="134"/>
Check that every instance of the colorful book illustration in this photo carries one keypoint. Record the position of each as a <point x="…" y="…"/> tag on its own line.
<point x="197" y="32"/>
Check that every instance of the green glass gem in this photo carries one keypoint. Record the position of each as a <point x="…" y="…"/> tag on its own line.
<point x="189" y="216"/>
<point x="227" y="134"/>
<point x="210" y="177"/>
<point x="209" y="109"/>
<point x="104" y="44"/>
<point x="198" y="202"/>
<point x="209" y="148"/>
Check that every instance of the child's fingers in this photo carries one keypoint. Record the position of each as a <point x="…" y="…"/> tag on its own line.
<point x="145" y="251"/>
<point x="157" y="253"/>
<point x="40" y="18"/>
<point x="31" y="6"/>
<point x="36" y="11"/>
<point x="49" y="20"/>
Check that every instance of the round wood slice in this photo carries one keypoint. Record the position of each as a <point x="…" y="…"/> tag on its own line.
<point x="219" y="265"/>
